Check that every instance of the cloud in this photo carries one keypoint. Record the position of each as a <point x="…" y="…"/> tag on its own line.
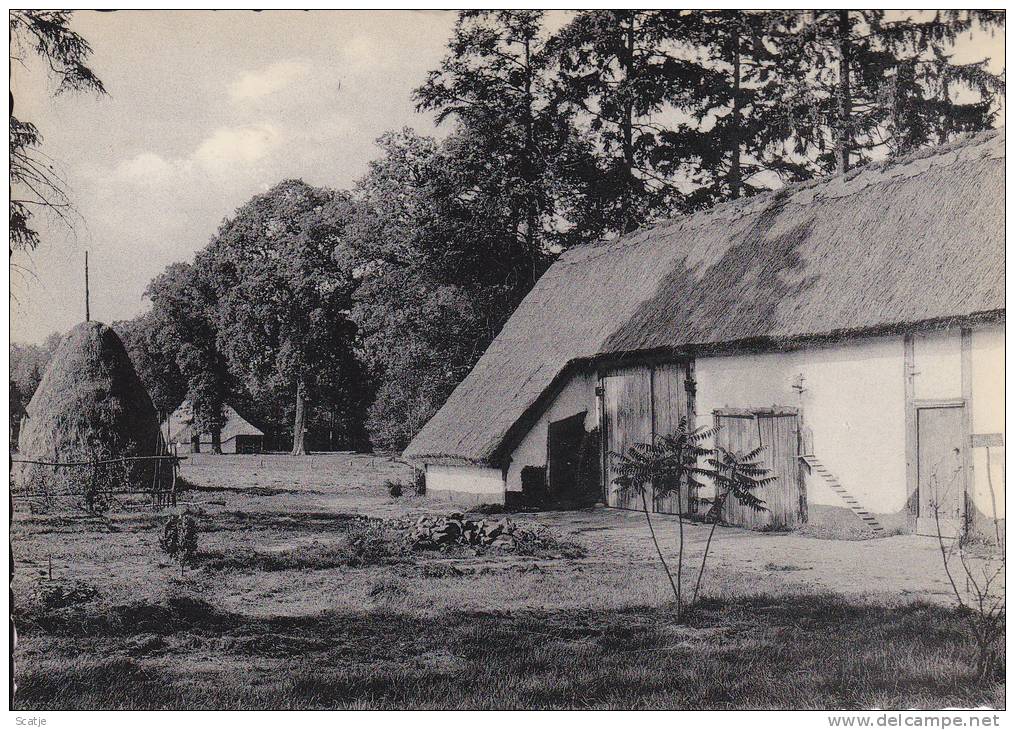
<point x="228" y="145"/>
<point x="221" y="152"/>
<point x="267" y="81"/>
<point x="146" y="166"/>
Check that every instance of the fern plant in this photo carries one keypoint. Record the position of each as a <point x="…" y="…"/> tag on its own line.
<point x="738" y="476"/>
<point x="668" y="466"/>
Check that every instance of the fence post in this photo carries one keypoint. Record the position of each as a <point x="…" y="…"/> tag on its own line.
<point x="176" y="466"/>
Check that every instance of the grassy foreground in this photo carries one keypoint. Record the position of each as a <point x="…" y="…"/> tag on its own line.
<point x="813" y="652"/>
<point x="304" y="595"/>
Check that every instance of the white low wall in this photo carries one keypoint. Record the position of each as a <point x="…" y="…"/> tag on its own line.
<point x="465" y="485"/>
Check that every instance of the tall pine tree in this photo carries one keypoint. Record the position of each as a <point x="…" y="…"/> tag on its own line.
<point x="862" y="84"/>
<point x="622" y="70"/>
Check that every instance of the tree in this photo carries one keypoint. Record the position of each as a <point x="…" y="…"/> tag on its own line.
<point x="736" y="138"/>
<point x="619" y="70"/>
<point x="922" y="105"/>
<point x="860" y="85"/>
<point x="433" y="288"/>
<point x="284" y="295"/>
<point x="667" y="466"/>
<point x="495" y="84"/>
<point x="982" y="602"/>
<point x="736" y="476"/>
<point x="35" y="184"/>
<point x="185" y="329"/>
<point x="153" y="350"/>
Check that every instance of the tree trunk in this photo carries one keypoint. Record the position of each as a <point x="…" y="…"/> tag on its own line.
<point x="844" y="141"/>
<point x="531" y="216"/>
<point x="216" y="441"/>
<point x="734" y="176"/>
<point x="299" y="423"/>
<point x="708" y="545"/>
<point x="674" y="585"/>
<point x="629" y="220"/>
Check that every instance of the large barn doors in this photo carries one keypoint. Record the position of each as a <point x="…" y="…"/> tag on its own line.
<point x="640" y="403"/>
<point x="627" y="420"/>
<point x="778" y="431"/>
<point x="669" y="405"/>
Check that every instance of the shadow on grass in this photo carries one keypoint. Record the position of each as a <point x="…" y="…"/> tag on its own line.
<point x="294" y="522"/>
<point x="811" y="652"/>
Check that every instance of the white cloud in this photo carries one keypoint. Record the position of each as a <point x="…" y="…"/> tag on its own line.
<point x="146" y="166"/>
<point x="228" y="145"/>
<point x="267" y="81"/>
<point x="221" y="152"/>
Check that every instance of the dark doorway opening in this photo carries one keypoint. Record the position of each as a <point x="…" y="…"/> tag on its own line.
<point x="569" y="457"/>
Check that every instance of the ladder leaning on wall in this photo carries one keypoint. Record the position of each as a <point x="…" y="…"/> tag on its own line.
<point x="835" y="485"/>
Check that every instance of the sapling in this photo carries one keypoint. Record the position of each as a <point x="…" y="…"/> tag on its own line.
<point x="668" y="466"/>
<point x="735" y="475"/>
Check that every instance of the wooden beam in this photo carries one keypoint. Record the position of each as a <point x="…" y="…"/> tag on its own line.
<point x="912" y="474"/>
<point x="88" y="313"/>
<point x="966" y="336"/>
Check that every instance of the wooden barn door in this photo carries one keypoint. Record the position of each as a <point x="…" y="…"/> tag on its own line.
<point x="627" y="420"/>
<point x="669" y="399"/>
<point x="778" y="431"/>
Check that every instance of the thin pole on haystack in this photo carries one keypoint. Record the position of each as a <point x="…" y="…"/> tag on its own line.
<point x="88" y="314"/>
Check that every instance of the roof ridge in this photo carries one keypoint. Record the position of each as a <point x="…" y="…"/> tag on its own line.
<point x="873" y="172"/>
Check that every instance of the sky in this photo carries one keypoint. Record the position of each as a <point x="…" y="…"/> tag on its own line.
<point x="204" y="110"/>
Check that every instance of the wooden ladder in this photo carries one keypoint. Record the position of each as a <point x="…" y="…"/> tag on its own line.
<point x="840" y="490"/>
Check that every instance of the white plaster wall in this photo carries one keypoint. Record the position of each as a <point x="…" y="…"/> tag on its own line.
<point x="937" y="365"/>
<point x="465" y="483"/>
<point x="578" y="395"/>
<point x="988" y="417"/>
<point x="853" y="402"/>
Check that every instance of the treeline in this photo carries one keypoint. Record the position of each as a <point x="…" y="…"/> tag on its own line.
<point x="356" y="313"/>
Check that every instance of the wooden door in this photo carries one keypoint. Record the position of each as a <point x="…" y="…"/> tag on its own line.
<point x="778" y="431"/>
<point x="669" y="400"/>
<point x="941" y="480"/>
<point x="627" y="420"/>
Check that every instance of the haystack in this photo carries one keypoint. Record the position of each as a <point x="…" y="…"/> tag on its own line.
<point x="91" y="406"/>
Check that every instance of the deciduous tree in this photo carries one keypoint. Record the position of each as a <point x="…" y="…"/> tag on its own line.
<point x="284" y="296"/>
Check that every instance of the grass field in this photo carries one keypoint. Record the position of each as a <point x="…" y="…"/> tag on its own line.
<point x="304" y="594"/>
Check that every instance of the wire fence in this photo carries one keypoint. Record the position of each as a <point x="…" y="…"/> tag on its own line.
<point x="95" y="484"/>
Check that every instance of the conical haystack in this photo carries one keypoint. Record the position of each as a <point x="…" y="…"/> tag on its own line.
<point x="91" y="406"/>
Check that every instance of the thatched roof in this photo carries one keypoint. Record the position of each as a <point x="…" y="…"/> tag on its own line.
<point x="181" y="424"/>
<point x="883" y="247"/>
<point x="90" y="405"/>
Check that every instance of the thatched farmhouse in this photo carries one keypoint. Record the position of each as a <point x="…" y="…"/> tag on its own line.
<point x="90" y="406"/>
<point x="238" y="436"/>
<point x="852" y="325"/>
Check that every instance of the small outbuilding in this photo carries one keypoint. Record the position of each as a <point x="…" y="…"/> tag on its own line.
<point x="853" y="326"/>
<point x="238" y="436"/>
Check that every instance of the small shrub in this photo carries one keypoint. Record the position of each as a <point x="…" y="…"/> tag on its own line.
<point x="394" y="488"/>
<point x="370" y="544"/>
<point x="66" y="595"/>
<point x="178" y="538"/>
